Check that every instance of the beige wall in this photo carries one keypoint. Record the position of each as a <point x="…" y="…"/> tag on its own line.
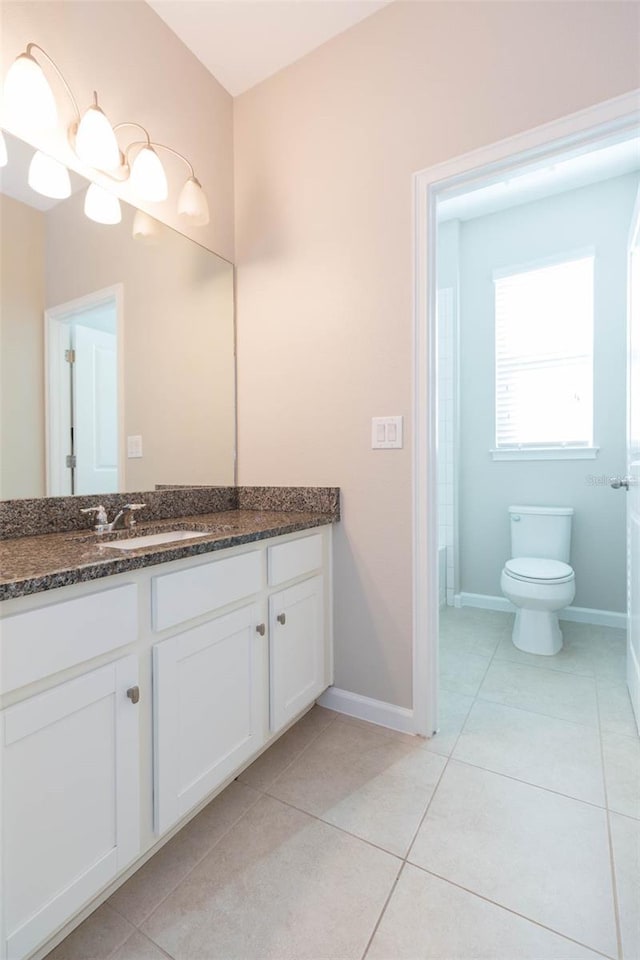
<point x="142" y="72"/>
<point x="179" y="366"/>
<point x="22" y="469"/>
<point x="324" y="153"/>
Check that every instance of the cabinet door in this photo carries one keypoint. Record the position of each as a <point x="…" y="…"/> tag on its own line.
<point x="296" y="649"/>
<point x="70" y="800"/>
<point x="209" y="709"/>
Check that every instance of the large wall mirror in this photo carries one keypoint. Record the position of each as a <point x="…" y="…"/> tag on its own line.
<point x="117" y="348"/>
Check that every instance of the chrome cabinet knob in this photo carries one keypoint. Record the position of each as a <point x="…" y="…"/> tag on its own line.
<point x="261" y="629"/>
<point x="282" y="618"/>
<point x="133" y="694"/>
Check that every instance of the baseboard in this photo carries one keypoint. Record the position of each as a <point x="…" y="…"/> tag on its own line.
<point x="633" y="682"/>
<point x="365" y="708"/>
<point x="599" y="618"/>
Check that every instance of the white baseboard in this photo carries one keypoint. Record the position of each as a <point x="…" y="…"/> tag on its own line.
<point x="600" y="618"/>
<point x="633" y="682"/>
<point x="365" y="708"/>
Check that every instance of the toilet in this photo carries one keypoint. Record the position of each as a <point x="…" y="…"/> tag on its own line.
<point x="538" y="579"/>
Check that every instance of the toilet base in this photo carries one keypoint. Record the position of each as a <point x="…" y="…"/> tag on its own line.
<point x="537" y="631"/>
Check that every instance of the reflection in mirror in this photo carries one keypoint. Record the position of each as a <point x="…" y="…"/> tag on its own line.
<point x="117" y="367"/>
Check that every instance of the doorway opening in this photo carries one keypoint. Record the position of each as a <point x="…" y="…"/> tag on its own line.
<point x="559" y="159"/>
<point x="84" y="394"/>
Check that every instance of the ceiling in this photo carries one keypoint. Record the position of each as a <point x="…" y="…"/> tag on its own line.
<point x="242" y="42"/>
<point x="544" y="180"/>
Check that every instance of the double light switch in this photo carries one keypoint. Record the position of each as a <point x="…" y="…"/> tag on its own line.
<point x="386" y="433"/>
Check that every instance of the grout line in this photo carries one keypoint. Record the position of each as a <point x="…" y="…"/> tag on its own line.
<point x="259" y="794"/>
<point x="265" y="789"/>
<point x="384" y="908"/>
<point x="335" y="826"/>
<point x="614" y="883"/>
<point x="501" y="906"/>
<point x="197" y="863"/>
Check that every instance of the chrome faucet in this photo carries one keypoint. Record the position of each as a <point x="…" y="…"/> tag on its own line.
<point x="127" y="513"/>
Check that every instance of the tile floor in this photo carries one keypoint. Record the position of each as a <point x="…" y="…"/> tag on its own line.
<point x="512" y="834"/>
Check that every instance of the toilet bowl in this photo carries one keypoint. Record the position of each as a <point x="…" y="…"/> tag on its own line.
<point x="539" y="588"/>
<point x="538" y="579"/>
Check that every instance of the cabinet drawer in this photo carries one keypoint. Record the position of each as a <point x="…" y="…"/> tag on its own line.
<point x="177" y="597"/>
<point x="41" y="642"/>
<point x="293" y="559"/>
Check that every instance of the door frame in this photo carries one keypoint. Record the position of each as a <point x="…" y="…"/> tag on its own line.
<point x="582" y="129"/>
<point x="54" y="322"/>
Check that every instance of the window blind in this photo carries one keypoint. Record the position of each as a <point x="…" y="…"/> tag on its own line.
<point x="544" y="356"/>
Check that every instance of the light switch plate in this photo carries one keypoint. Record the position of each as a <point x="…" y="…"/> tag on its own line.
<point x="386" y="433"/>
<point x="134" y="447"/>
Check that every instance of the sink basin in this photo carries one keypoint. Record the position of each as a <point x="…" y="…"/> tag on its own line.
<point x="154" y="539"/>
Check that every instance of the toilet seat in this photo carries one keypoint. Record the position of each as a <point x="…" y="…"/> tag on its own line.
<point x="538" y="570"/>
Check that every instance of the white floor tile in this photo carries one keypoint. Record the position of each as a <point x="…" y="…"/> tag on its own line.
<point x="462" y="672"/>
<point x="430" y="919"/>
<point x="625" y="835"/>
<point x="542" y="855"/>
<point x="453" y="709"/>
<point x="549" y="692"/>
<point x="556" y="754"/>
<point x="622" y="773"/>
<point x="616" y="712"/>
<point x="365" y="782"/>
<point x="279" y="886"/>
<point x="574" y="657"/>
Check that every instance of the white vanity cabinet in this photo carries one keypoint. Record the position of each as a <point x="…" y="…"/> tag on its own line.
<point x="296" y="650"/>
<point x="126" y="705"/>
<point x="208" y="687"/>
<point x="70" y="799"/>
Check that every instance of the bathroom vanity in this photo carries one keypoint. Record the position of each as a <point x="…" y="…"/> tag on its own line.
<point x="136" y="692"/>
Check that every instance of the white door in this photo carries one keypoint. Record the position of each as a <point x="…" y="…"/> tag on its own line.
<point x="70" y="800"/>
<point x="209" y="709"/>
<point x="95" y="405"/>
<point x="296" y="650"/>
<point x="633" y="468"/>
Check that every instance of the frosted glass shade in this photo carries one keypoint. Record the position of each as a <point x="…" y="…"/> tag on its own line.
<point x="192" y="203"/>
<point x="102" y="206"/>
<point x="3" y="150"/>
<point x="148" y="178"/>
<point x="145" y="228"/>
<point x="28" y="98"/>
<point x="49" y="177"/>
<point x="96" y="143"/>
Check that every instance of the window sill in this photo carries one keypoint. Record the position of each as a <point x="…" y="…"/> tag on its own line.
<point x="546" y="453"/>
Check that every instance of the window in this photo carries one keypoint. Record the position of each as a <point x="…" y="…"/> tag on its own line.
<point x="544" y="360"/>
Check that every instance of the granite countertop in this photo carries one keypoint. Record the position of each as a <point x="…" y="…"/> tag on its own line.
<point x="34" y="564"/>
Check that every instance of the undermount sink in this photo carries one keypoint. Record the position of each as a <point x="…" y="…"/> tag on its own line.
<point x="154" y="539"/>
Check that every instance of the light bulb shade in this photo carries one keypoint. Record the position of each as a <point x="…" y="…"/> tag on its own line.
<point x="49" y="177"/>
<point x="28" y="99"/>
<point x="96" y="143"/>
<point x="192" y="203"/>
<point x="148" y="178"/>
<point x="145" y="228"/>
<point x="3" y="150"/>
<point x="102" y="206"/>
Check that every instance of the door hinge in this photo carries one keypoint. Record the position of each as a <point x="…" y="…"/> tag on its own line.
<point x="70" y="356"/>
<point x="70" y="460"/>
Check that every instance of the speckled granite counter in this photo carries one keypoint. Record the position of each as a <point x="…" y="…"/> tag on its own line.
<point x="34" y="564"/>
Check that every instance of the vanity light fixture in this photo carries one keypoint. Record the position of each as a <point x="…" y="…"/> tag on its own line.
<point x="3" y="150"/>
<point x="102" y="206"/>
<point x="49" y="177"/>
<point x="145" y="229"/>
<point x="27" y="94"/>
<point x="29" y="101"/>
<point x="95" y="141"/>
<point x="148" y="178"/>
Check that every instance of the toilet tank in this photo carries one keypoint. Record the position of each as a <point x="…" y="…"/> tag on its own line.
<point x="541" y="532"/>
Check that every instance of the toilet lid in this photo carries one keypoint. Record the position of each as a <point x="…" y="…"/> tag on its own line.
<point x="537" y="568"/>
